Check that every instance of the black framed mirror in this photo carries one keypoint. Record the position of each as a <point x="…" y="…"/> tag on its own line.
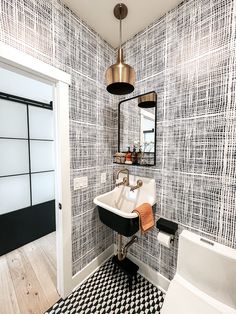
<point x="137" y="118"/>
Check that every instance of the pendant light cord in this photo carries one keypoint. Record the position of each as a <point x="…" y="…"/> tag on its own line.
<point x="120" y="26"/>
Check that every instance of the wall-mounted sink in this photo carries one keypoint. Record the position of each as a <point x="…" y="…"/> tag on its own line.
<point x="115" y="207"/>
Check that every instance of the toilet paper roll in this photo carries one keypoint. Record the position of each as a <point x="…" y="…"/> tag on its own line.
<point x="164" y="238"/>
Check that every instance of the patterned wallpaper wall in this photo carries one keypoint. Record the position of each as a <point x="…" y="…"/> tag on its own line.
<point x="188" y="58"/>
<point x="50" y="32"/>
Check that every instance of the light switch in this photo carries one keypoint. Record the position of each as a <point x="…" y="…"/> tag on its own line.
<point x="103" y="177"/>
<point x="81" y="182"/>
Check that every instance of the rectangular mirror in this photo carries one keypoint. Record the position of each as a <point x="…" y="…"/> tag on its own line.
<point x="137" y="130"/>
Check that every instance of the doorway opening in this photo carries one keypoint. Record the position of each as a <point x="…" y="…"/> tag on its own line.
<point x="27" y="160"/>
<point x="24" y="64"/>
<point x="27" y="190"/>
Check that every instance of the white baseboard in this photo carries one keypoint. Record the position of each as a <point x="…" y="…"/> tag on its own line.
<point x="150" y="274"/>
<point x="158" y="280"/>
<point x="146" y="271"/>
<point x="88" y="270"/>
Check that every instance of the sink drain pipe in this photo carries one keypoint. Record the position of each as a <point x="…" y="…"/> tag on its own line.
<point x="122" y="251"/>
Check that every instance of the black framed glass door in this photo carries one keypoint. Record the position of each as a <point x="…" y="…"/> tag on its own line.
<point x="27" y="197"/>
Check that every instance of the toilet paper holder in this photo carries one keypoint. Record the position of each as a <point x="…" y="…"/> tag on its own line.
<point x="167" y="226"/>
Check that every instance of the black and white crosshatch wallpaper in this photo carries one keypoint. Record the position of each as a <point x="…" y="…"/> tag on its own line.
<point x="188" y="58"/>
<point x="50" y="32"/>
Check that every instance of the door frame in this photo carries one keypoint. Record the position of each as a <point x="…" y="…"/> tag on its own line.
<point x="32" y="67"/>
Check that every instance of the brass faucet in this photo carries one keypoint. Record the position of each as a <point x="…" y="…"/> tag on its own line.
<point x="134" y="187"/>
<point x="125" y="179"/>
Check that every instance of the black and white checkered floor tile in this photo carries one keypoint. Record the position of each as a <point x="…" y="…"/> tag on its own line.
<point x="105" y="293"/>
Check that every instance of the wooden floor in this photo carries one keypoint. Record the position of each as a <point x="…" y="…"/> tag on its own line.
<point x="28" y="278"/>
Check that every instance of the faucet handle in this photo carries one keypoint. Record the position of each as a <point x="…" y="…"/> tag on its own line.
<point x="139" y="183"/>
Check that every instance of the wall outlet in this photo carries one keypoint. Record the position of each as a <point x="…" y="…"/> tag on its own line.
<point x="103" y="177"/>
<point x="81" y="182"/>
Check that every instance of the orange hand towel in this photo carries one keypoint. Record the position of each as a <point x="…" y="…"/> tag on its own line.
<point x="146" y="218"/>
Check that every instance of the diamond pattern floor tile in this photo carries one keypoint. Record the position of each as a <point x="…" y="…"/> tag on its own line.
<point x="105" y="293"/>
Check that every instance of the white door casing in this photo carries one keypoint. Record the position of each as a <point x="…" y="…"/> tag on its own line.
<point x="23" y="63"/>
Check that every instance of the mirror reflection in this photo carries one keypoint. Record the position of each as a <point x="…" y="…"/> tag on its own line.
<point x="136" y="133"/>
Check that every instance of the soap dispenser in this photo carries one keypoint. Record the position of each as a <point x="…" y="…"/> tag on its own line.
<point x="128" y="157"/>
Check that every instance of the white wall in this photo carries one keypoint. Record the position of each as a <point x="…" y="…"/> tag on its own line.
<point x="22" y="86"/>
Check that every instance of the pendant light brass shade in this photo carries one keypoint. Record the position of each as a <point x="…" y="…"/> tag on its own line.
<point x="148" y="100"/>
<point x="120" y="77"/>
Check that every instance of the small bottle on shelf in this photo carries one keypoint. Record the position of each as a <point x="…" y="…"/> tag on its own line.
<point x="135" y="156"/>
<point x="140" y="155"/>
<point x="128" y="157"/>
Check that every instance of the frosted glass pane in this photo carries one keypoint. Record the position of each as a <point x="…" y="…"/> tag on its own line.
<point x="13" y="157"/>
<point x="148" y="124"/>
<point x="149" y="137"/>
<point x="41" y="123"/>
<point x="13" y="119"/>
<point x="23" y="86"/>
<point x="14" y="193"/>
<point x="42" y="156"/>
<point x="42" y="187"/>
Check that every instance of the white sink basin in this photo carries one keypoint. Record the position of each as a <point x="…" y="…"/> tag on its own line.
<point x="121" y="201"/>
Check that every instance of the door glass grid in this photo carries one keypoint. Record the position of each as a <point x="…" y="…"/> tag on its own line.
<point x="27" y="153"/>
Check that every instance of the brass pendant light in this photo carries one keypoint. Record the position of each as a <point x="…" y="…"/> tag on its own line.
<point x="120" y="77"/>
<point x="148" y="100"/>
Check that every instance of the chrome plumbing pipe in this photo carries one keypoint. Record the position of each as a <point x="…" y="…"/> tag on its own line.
<point x="122" y="251"/>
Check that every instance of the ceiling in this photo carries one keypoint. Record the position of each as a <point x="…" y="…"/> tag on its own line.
<point x="98" y="14"/>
